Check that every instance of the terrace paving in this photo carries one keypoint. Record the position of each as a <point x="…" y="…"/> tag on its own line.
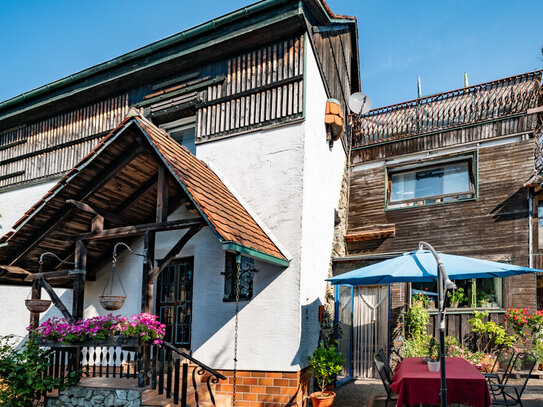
<point x="371" y="393"/>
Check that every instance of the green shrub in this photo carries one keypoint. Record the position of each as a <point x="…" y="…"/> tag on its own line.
<point x="416" y="320"/>
<point x="489" y="334"/>
<point x="24" y="373"/>
<point x="416" y="346"/>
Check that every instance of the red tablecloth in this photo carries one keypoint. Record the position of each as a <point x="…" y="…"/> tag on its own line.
<point x="415" y="384"/>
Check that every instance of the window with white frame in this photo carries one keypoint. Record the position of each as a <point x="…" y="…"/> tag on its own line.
<point x="183" y="131"/>
<point x="431" y="182"/>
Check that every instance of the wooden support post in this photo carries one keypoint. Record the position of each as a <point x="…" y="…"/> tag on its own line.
<point x="148" y="266"/>
<point x="147" y="292"/>
<point x="162" y="195"/>
<point x="36" y="295"/>
<point x="78" y="290"/>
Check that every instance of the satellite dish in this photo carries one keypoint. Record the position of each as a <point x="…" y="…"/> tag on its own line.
<point x="359" y="103"/>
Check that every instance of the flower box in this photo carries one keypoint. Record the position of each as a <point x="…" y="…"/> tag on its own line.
<point x="131" y="342"/>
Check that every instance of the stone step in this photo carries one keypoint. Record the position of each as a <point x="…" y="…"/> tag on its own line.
<point x="151" y="397"/>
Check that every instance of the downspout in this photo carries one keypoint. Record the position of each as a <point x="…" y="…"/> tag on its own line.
<point x="530" y="229"/>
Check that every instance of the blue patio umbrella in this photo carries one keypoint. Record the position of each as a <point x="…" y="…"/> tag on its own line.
<point x="421" y="266"/>
<point x="429" y="265"/>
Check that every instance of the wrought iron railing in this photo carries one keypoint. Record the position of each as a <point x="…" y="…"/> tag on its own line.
<point x="166" y="370"/>
<point x="444" y="111"/>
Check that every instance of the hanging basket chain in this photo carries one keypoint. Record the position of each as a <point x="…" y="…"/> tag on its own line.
<point x="238" y="275"/>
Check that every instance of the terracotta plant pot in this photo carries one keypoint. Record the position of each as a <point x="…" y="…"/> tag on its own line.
<point x="112" y="302"/>
<point x="37" y="306"/>
<point x="320" y="399"/>
<point x="454" y="304"/>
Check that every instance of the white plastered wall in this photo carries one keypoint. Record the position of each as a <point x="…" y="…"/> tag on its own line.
<point x="13" y="204"/>
<point x="323" y="173"/>
<point x="264" y="169"/>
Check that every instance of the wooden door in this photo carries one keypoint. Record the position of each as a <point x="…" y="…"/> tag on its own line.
<point x="174" y="301"/>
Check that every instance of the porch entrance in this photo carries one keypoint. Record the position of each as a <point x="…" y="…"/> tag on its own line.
<point x="362" y="313"/>
<point x="370" y="327"/>
<point x="174" y="301"/>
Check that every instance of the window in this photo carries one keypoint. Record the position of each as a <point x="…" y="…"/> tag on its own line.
<point x="477" y="293"/>
<point x="245" y="280"/>
<point x="184" y="132"/>
<point x="447" y="181"/>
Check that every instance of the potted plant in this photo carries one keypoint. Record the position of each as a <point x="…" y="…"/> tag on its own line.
<point x="434" y="361"/>
<point x="326" y="362"/>
<point x="419" y="300"/>
<point x="457" y="297"/>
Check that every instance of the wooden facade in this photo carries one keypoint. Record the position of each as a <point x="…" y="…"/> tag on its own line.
<point x="227" y="86"/>
<point x="492" y="224"/>
<point x="50" y="147"/>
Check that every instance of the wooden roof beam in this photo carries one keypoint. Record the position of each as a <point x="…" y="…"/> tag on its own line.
<point x="126" y="231"/>
<point x="107" y="215"/>
<point x="102" y="178"/>
<point x="137" y="195"/>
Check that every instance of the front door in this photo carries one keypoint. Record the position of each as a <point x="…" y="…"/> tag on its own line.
<point x="174" y="301"/>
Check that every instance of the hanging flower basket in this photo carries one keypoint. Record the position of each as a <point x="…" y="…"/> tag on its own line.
<point x="112" y="302"/>
<point x="38" y="306"/>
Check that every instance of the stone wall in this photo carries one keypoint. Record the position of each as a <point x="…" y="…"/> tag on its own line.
<point x="95" y="397"/>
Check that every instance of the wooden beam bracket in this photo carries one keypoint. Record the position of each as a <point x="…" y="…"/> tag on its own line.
<point x="56" y="300"/>
<point x="163" y="263"/>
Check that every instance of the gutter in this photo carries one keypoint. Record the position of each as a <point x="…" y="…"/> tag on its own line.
<point x="268" y="258"/>
<point x="144" y="51"/>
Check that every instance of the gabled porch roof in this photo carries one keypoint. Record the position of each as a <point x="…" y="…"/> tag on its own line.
<point x="118" y="179"/>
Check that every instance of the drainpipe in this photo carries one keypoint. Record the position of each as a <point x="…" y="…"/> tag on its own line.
<point x="530" y="230"/>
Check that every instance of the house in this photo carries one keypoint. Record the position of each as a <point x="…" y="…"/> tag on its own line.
<point x="219" y="147"/>
<point x="459" y="170"/>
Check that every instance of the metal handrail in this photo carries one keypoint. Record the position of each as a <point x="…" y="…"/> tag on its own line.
<point x="187" y="356"/>
<point x="503" y="98"/>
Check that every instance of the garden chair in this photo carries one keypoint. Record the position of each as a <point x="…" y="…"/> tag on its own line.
<point x="385" y="377"/>
<point x="381" y="355"/>
<point x="504" y="394"/>
<point x="505" y="354"/>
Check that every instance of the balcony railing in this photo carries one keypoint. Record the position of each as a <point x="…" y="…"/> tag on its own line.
<point x="499" y="99"/>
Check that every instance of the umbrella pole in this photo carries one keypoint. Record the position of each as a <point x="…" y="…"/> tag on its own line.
<point x="443" y="284"/>
<point x="441" y="322"/>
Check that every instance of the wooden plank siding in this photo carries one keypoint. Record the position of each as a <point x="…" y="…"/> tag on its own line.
<point x="334" y="53"/>
<point x="262" y="86"/>
<point x="52" y="146"/>
<point x="494" y="226"/>
<point x="458" y="326"/>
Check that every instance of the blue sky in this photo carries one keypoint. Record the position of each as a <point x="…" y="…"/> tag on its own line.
<point x="438" y="40"/>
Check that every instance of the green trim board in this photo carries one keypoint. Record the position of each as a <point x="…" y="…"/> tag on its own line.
<point x="257" y="254"/>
